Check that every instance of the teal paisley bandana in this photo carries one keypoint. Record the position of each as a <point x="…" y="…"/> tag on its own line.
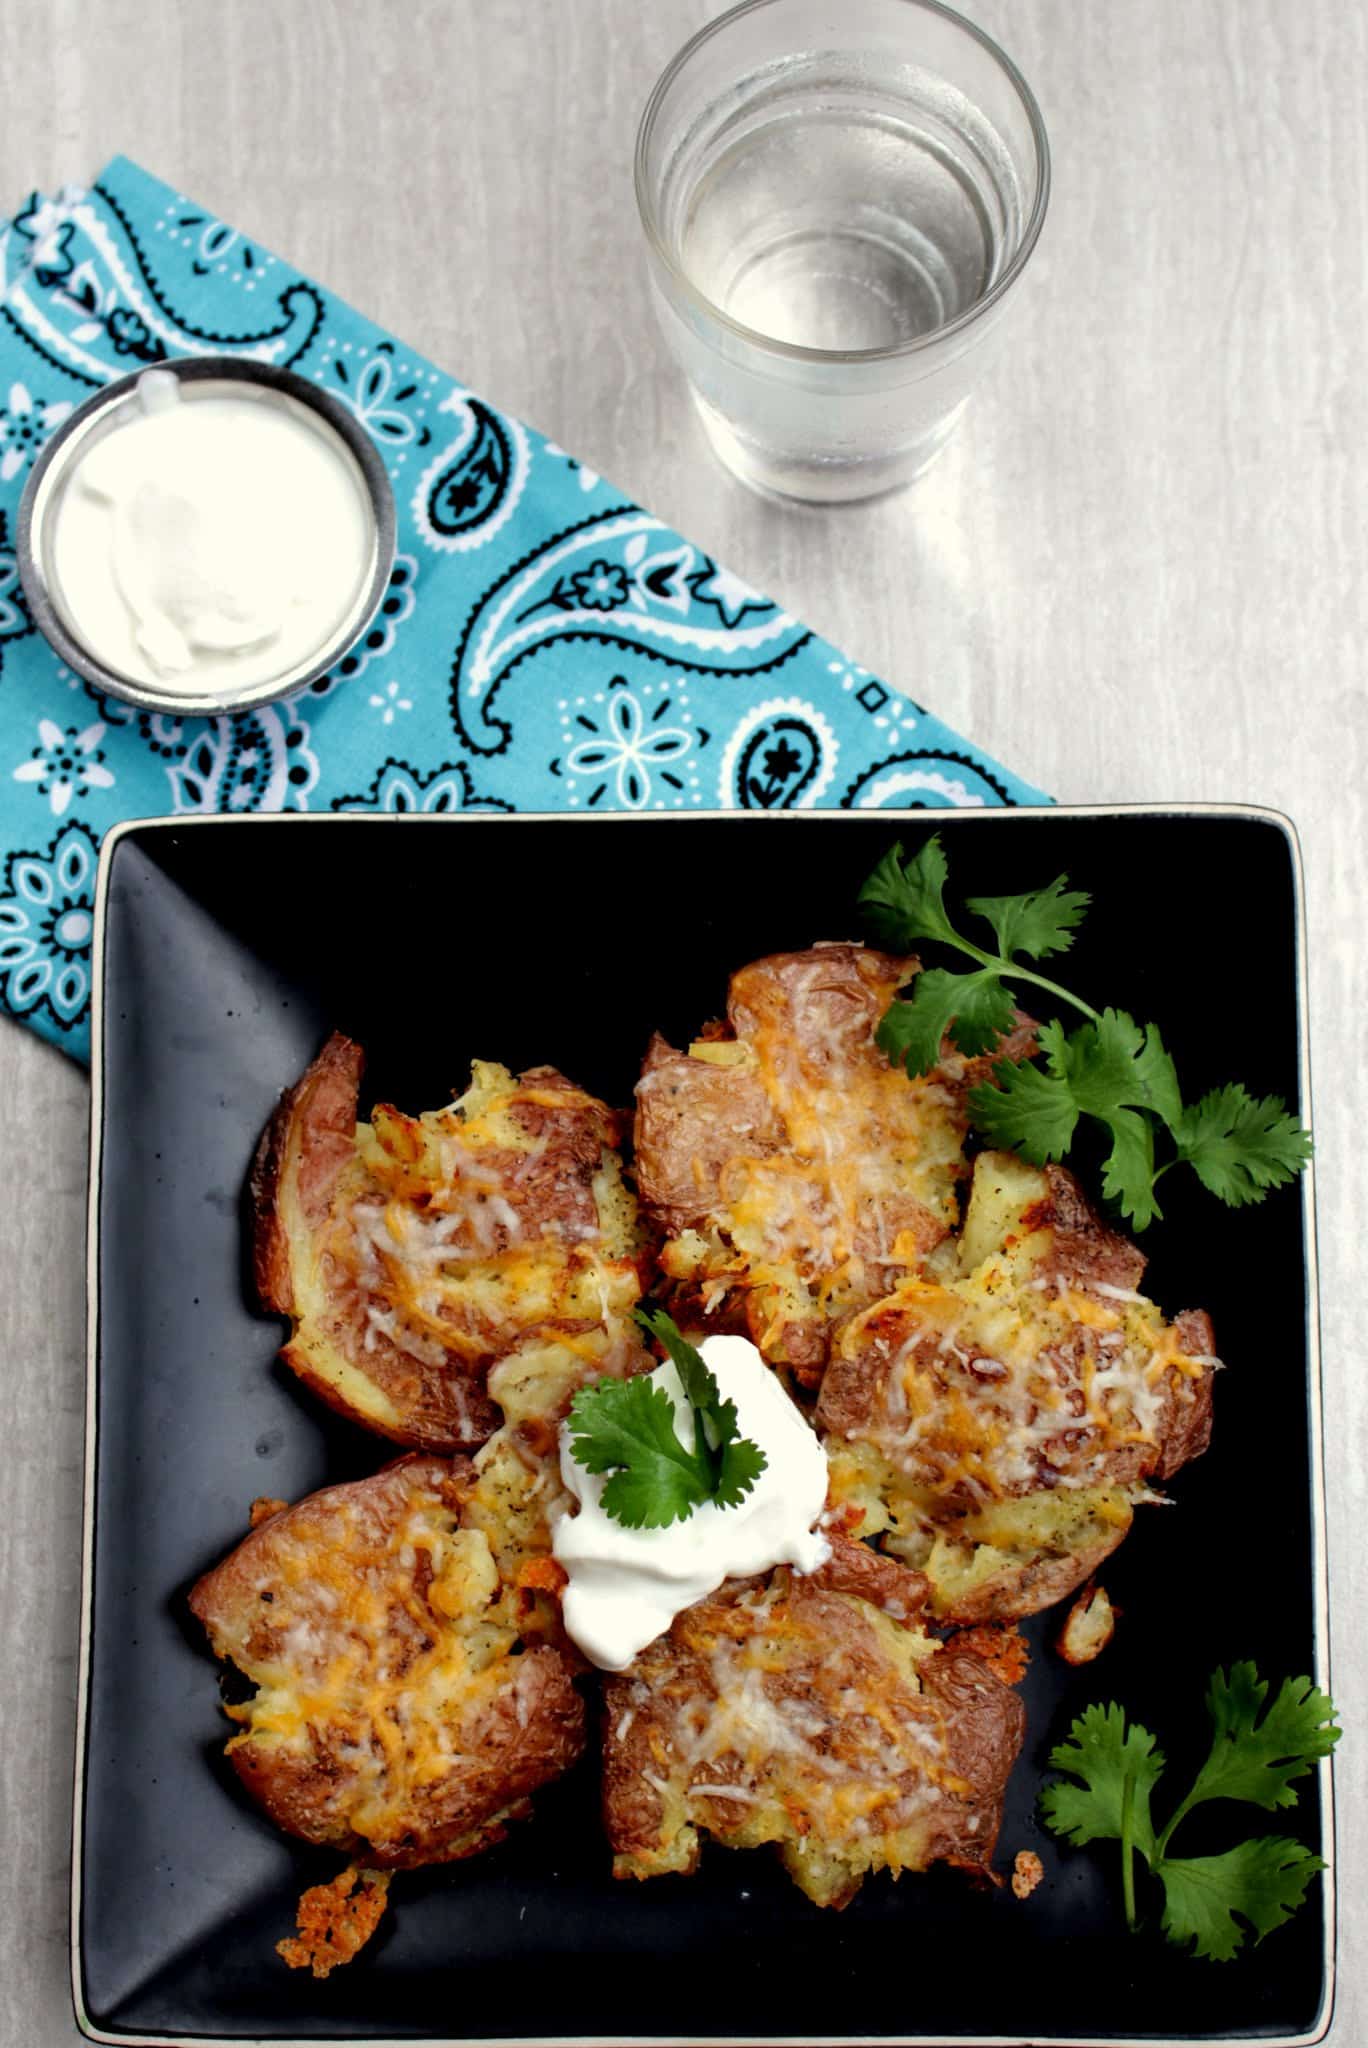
<point x="544" y="644"/>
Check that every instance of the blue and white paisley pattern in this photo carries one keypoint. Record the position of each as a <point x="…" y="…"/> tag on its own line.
<point x="258" y="760"/>
<point x="781" y="757"/>
<point x="587" y="478"/>
<point x="102" y="316"/>
<point x="14" y="616"/>
<point x="400" y="788"/>
<point x="388" y="701"/>
<point x="25" y="423"/>
<point x="924" y="777"/>
<point x="471" y="489"/>
<point x="255" y="761"/>
<point x="47" y="928"/>
<point x="389" y="394"/>
<point x="624" y="581"/>
<point x="67" y="762"/>
<point x="39" y="237"/>
<point x="214" y="245"/>
<point x="93" y="237"/>
<point x="542" y="644"/>
<point x="632" y="747"/>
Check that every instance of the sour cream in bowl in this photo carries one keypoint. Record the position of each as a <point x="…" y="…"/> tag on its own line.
<point x="206" y="535"/>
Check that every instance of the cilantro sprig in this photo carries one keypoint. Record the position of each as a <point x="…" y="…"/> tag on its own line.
<point x="627" y="1428"/>
<point x="1109" y="1070"/>
<point x="1116" y="1766"/>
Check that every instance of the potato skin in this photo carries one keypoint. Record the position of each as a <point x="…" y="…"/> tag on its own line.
<point x="1088" y="1626"/>
<point x="1040" y="1581"/>
<point x="960" y="1415"/>
<point x="412" y="1253"/>
<point x="1083" y="1250"/>
<point x="863" y="1573"/>
<point x="302" y="1592"/>
<point x="985" y="1726"/>
<point x="929" y="1730"/>
<point x="1188" y="1431"/>
<point x="690" y="1117"/>
<point x="305" y="1165"/>
<point x="318" y="1118"/>
<point x="794" y="1172"/>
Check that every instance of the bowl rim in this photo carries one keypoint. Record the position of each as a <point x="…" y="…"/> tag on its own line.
<point x="53" y="463"/>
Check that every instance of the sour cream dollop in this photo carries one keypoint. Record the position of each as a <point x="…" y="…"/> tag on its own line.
<point x="212" y="540"/>
<point x="627" y="1585"/>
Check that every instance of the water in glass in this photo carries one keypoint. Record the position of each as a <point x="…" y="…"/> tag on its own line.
<point x="848" y="214"/>
<point x="839" y="196"/>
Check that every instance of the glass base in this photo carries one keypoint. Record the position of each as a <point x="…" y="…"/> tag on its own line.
<point x="807" y="479"/>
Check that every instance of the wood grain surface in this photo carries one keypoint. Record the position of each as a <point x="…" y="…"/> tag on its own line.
<point x="1140" y="572"/>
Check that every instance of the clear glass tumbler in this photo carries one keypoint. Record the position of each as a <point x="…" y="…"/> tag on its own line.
<point x="839" y="198"/>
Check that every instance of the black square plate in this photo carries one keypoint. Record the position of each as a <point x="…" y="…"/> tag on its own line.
<point x="229" y="948"/>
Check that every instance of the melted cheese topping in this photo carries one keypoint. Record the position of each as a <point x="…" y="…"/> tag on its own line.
<point x="994" y="1390"/>
<point x="379" y="1649"/>
<point x="471" y="1223"/>
<point x="768" y="1725"/>
<point x="864" y="1142"/>
<point x="376" y="1643"/>
<point x="864" y="1184"/>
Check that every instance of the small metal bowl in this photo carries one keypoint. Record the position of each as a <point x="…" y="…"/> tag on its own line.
<point x="98" y="416"/>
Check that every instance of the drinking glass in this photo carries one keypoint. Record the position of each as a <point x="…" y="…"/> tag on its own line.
<point x="839" y="199"/>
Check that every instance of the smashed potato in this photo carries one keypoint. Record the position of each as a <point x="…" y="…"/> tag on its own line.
<point x="796" y="1712"/>
<point x="796" y="1175"/>
<point x="995" y="1420"/>
<point x="515" y="1489"/>
<point x="411" y="1252"/>
<point x="397" y="1715"/>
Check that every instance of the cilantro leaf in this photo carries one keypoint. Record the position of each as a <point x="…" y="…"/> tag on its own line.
<point x="1103" y="1752"/>
<point x="1263" y="1880"/>
<point x="1110" y="1070"/>
<point x="1098" y="1061"/>
<point x="646" y="1496"/>
<point x="698" y="1383"/>
<point x="715" y="1421"/>
<point x="973" y="1010"/>
<point x="1158" y="1078"/>
<point x="1258" y="1760"/>
<point x="627" y="1427"/>
<point x="1238" y="1147"/>
<point x="1128" y="1169"/>
<point x="904" y="900"/>
<point x="742" y="1464"/>
<point x="1036" y="924"/>
<point x="1025" y="1110"/>
<point x="1207" y="1899"/>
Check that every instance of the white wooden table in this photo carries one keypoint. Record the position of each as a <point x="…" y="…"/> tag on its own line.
<point x="1141" y="572"/>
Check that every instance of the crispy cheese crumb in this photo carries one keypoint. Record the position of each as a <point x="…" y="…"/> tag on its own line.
<point x="1002" y="1648"/>
<point x="263" y="1508"/>
<point x="543" y="1575"/>
<point x="336" y="1920"/>
<point x="1088" y="1626"/>
<point x="1027" y="1872"/>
